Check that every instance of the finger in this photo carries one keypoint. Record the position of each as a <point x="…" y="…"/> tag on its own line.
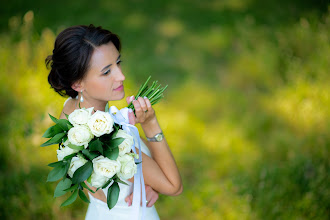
<point x="129" y="99"/>
<point x="152" y="201"/>
<point x="151" y="196"/>
<point x="149" y="107"/>
<point x="143" y="104"/>
<point x="129" y="199"/>
<point x="131" y="117"/>
<point x="148" y="198"/>
<point x="138" y="111"/>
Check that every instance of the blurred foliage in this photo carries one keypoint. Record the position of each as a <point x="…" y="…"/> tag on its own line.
<point x="247" y="112"/>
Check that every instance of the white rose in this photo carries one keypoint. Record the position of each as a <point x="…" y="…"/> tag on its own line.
<point x="80" y="135"/>
<point x="128" y="167"/>
<point x="105" y="167"/>
<point x="101" y="123"/>
<point x="76" y="162"/>
<point x="80" y="116"/>
<point x="98" y="180"/>
<point x="126" y="145"/>
<point x="65" y="150"/>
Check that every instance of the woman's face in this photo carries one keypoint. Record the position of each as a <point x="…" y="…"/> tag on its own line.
<point x="104" y="79"/>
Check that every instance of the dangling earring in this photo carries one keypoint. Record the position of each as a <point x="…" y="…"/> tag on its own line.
<point x="81" y="97"/>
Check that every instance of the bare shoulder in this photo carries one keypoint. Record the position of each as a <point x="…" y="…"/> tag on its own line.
<point x="68" y="108"/>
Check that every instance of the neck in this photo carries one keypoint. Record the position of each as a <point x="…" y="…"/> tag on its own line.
<point x="98" y="105"/>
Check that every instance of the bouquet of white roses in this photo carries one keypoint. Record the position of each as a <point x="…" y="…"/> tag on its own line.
<point x="91" y="147"/>
<point x="95" y="149"/>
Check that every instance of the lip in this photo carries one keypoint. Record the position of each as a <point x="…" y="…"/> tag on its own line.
<point x="119" y="88"/>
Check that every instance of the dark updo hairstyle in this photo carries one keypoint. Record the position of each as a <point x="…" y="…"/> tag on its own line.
<point x="72" y="53"/>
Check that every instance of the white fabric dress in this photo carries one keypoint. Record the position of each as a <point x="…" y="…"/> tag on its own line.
<point x="98" y="210"/>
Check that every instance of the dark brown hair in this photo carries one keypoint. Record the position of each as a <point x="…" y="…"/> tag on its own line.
<point x="72" y="52"/>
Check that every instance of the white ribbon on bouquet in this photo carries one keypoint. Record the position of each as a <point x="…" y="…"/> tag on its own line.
<point x="121" y="117"/>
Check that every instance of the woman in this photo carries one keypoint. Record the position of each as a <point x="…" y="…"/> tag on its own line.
<point x="85" y="65"/>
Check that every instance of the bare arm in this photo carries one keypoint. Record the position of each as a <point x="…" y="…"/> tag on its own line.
<point x="160" y="171"/>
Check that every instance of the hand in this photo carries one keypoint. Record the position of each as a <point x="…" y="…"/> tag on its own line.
<point x="143" y="111"/>
<point x="151" y="196"/>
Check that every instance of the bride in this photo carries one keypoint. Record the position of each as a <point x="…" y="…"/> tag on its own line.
<point x="85" y="65"/>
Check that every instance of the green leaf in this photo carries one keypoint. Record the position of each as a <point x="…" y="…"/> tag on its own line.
<point x="57" y="173"/>
<point x="90" y="155"/>
<point x="71" y="199"/>
<point x="64" y="139"/>
<point x="96" y="145"/>
<point x="55" y="164"/>
<point x="67" y="163"/>
<point x="86" y="186"/>
<point x="71" y="188"/>
<point x="107" y="183"/>
<point x="89" y="179"/>
<point x="114" y="142"/>
<point x="52" y="131"/>
<point x="83" y="196"/>
<point x="66" y="115"/>
<point x="69" y="156"/>
<point x="113" y="194"/>
<point x="82" y="173"/>
<point x="106" y="109"/>
<point x="55" y="140"/>
<point x="112" y="153"/>
<point x="61" y="186"/>
<point x="120" y="181"/>
<point x="64" y="124"/>
<point x="75" y="147"/>
<point x="53" y="118"/>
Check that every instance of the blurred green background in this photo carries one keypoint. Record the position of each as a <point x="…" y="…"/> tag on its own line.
<point x="247" y="111"/>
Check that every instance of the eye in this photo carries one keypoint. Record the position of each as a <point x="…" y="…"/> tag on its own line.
<point x="106" y="72"/>
<point x="119" y="61"/>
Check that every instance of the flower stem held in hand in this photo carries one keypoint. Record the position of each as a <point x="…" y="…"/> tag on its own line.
<point x="154" y="93"/>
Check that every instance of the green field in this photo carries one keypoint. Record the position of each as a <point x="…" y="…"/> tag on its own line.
<point x="246" y="113"/>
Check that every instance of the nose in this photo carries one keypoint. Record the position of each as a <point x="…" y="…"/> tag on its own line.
<point x="119" y="74"/>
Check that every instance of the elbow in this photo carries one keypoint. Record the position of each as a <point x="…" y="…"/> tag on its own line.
<point x="179" y="191"/>
<point x="175" y="191"/>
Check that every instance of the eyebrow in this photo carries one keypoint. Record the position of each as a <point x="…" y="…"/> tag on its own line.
<point x="107" y="66"/>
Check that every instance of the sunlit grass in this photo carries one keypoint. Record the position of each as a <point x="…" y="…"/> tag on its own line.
<point x="304" y="106"/>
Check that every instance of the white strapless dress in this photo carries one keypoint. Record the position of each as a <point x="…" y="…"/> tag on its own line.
<point x="98" y="210"/>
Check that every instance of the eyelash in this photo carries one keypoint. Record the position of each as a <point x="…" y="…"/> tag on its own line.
<point x="108" y="71"/>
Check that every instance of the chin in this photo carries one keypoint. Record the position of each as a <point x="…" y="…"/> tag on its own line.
<point x="119" y="96"/>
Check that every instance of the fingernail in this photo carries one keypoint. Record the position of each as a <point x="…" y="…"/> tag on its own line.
<point x="145" y="97"/>
<point x="130" y="110"/>
<point x="132" y="97"/>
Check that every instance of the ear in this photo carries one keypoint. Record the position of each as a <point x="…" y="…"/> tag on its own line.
<point x="77" y="86"/>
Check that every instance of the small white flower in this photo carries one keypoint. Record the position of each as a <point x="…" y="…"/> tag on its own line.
<point x="98" y="180"/>
<point x="101" y="123"/>
<point x="76" y="162"/>
<point x="128" y="167"/>
<point x="65" y="150"/>
<point x="126" y="145"/>
<point x="80" y="135"/>
<point x="105" y="167"/>
<point x="80" y="116"/>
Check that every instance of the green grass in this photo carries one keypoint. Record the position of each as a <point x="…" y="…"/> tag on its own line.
<point x="246" y="113"/>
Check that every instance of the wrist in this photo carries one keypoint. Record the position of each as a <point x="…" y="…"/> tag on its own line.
<point x="151" y="128"/>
